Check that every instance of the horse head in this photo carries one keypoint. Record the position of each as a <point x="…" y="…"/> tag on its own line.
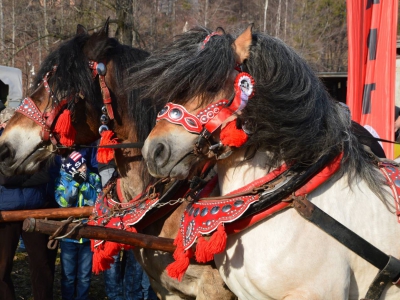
<point x="192" y="80"/>
<point x="78" y="77"/>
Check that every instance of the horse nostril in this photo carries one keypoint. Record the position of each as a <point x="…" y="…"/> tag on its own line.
<point x="161" y="154"/>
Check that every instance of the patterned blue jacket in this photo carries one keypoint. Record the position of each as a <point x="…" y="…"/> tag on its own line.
<point x="69" y="193"/>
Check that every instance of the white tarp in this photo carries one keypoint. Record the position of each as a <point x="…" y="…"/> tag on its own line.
<point x="13" y="78"/>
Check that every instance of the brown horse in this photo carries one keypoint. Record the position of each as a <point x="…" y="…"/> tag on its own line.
<point x="72" y="84"/>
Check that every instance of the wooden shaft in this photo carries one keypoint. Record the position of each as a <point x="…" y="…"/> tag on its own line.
<point x="101" y="233"/>
<point x="49" y="213"/>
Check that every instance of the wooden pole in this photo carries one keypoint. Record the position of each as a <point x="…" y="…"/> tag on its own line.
<point x="49" y="213"/>
<point x="100" y="233"/>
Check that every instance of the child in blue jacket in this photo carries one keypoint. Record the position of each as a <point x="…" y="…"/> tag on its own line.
<point x="76" y="187"/>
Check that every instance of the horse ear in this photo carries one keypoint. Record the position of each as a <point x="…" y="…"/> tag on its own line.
<point x="220" y="31"/>
<point x="242" y="44"/>
<point x="80" y="29"/>
<point x="96" y="45"/>
<point x="104" y="30"/>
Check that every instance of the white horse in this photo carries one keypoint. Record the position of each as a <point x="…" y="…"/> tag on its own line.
<point x="290" y="119"/>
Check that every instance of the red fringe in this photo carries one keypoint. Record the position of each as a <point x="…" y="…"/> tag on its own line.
<point x="205" y="250"/>
<point x="202" y="253"/>
<point x="103" y="255"/>
<point x="231" y="136"/>
<point x="182" y="259"/>
<point x="65" y="129"/>
<point x="105" y="155"/>
<point x="217" y="242"/>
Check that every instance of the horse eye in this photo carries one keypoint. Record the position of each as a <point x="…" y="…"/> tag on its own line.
<point x="175" y="113"/>
<point x="162" y="111"/>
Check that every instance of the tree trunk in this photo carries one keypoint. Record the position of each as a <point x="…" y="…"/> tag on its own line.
<point x="46" y="32"/>
<point x="286" y="11"/>
<point x="2" y="32"/>
<point x="265" y="15"/>
<point x="278" y="19"/>
<point x="13" y="33"/>
<point x="207" y="4"/>
<point x="124" y="10"/>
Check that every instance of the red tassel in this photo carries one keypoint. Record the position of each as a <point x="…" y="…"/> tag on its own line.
<point x="103" y="256"/>
<point x="217" y="242"/>
<point x="182" y="259"/>
<point x="105" y="155"/>
<point x="65" y="129"/>
<point x="231" y="136"/>
<point x="202" y="253"/>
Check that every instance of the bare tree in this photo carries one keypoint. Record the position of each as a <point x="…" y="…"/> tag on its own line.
<point x="265" y="15"/>
<point x="278" y="19"/>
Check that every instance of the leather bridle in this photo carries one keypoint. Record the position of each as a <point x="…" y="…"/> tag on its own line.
<point x="206" y="121"/>
<point x="46" y="119"/>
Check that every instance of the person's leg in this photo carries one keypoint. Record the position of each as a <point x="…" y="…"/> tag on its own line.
<point x="41" y="264"/>
<point x="113" y="280"/>
<point x="84" y="271"/>
<point x="69" y="262"/>
<point x="9" y="233"/>
<point x="132" y="278"/>
<point x="148" y="292"/>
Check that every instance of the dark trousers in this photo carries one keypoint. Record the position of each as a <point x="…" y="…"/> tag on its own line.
<point x="41" y="261"/>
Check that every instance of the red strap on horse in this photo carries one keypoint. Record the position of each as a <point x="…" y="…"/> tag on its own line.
<point x="104" y="89"/>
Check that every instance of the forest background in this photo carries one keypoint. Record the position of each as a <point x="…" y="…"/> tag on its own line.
<point x="30" y="29"/>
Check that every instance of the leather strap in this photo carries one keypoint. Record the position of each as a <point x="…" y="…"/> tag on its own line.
<point x="389" y="266"/>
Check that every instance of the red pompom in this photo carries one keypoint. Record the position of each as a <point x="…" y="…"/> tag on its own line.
<point x="202" y="253"/>
<point x="105" y="155"/>
<point x="65" y="129"/>
<point x="231" y="136"/>
<point x="182" y="259"/>
<point x="103" y="255"/>
<point x="217" y="242"/>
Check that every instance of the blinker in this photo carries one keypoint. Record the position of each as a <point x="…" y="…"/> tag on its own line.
<point x="101" y="69"/>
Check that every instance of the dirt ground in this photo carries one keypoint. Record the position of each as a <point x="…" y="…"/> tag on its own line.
<point x="21" y="280"/>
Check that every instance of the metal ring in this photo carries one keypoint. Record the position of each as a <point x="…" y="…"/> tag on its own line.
<point x="103" y="128"/>
<point x="104" y="119"/>
<point x="101" y="69"/>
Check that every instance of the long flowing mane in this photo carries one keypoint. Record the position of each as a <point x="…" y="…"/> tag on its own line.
<point x="72" y="74"/>
<point x="168" y="74"/>
<point x="291" y="116"/>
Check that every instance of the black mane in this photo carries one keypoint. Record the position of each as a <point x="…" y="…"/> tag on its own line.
<point x="294" y="118"/>
<point x="72" y="74"/>
<point x="184" y="69"/>
<point x="291" y="115"/>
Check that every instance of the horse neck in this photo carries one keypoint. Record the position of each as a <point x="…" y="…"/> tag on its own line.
<point x="128" y="163"/>
<point x="235" y="171"/>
